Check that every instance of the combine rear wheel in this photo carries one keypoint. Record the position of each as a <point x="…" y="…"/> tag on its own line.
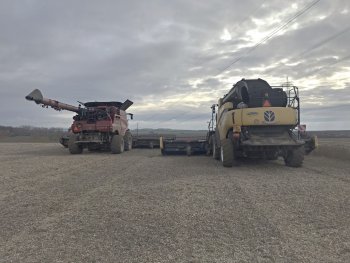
<point x="227" y="157"/>
<point x="117" y="144"/>
<point x="127" y="141"/>
<point x="73" y="147"/>
<point x="295" y="157"/>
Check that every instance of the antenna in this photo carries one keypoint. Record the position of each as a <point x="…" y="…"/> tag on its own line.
<point x="287" y="84"/>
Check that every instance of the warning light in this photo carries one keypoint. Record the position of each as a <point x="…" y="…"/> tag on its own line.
<point x="266" y="103"/>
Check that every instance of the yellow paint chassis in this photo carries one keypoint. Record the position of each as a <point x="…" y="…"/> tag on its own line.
<point x="229" y="119"/>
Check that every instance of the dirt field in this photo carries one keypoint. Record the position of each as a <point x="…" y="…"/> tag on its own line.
<point x="142" y="207"/>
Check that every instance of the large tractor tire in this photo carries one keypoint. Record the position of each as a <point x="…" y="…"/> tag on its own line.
<point x="73" y="147"/>
<point x="295" y="157"/>
<point x="127" y="141"/>
<point x="227" y="157"/>
<point x="117" y="144"/>
<point x="216" y="149"/>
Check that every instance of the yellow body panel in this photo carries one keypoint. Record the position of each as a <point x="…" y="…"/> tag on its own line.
<point x="264" y="116"/>
<point x="224" y="108"/>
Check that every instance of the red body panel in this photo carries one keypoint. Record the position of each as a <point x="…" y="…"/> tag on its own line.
<point x="100" y="126"/>
<point x="116" y="124"/>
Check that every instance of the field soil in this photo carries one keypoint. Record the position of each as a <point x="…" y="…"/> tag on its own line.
<point x="142" y="207"/>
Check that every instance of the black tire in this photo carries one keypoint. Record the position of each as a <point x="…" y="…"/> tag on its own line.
<point x="117" y="144"/>
<point x="64" y="142"/>
<point x="295" y="157"/>
<point x="127" y="141"/>
<point x="151" y="146"/>
<point x="163" y="152"/>
<point x="226" y="155"/>
<point x="216" y="150"/>
<point x="73" y="147"/>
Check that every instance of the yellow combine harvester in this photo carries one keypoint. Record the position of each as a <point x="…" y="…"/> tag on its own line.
<point x="258" y="120"/>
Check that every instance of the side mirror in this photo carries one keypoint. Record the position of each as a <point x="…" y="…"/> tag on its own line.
<point x="213" y="108"/>
<point x="131" y="115"/>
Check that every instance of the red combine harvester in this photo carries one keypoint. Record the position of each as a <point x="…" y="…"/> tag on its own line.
<point x="96" y="125"/>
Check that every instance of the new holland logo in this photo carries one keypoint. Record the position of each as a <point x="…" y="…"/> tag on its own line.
<point x="269" y="116"/>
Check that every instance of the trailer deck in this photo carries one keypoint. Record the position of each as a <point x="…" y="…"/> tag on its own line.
<point x="183" y="145"/>
<point x="149" y="140"/>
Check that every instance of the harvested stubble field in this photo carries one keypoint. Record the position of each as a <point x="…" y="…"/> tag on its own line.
<point x="142" y="207"/>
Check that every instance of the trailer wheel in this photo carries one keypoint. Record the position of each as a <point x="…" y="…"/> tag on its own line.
<point x="127" y="141"/>
<point x="151" y="146"/>
<point x="117" y="144"/>
<point x="227" y="157"/>
<point x="295" y="157"/>
<point x="216" y="150"/>
<point x="73" y="147"/>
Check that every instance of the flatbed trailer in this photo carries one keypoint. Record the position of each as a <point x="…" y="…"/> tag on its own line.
<point x="149" y="140"/>
<point x="183" y="145"/>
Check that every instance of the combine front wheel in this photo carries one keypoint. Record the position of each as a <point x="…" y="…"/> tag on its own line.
<point x="73" y="147"/>
<point x="127" y="141"/>
<point x="227" y="153"/>
<point x="117" y="144"/>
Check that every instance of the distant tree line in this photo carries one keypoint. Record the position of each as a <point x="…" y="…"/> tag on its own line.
<point x="29" y="133"/>
<point x="39" y="134"/>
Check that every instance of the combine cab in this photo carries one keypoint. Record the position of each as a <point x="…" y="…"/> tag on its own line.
<point x="96" y="125"/>
<point x="259" y="121"/>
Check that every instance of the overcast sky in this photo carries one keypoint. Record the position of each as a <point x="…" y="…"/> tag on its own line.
<point x="169" y="57"/>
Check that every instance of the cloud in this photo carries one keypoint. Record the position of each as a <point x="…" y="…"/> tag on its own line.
<point x="168" y="56"/>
